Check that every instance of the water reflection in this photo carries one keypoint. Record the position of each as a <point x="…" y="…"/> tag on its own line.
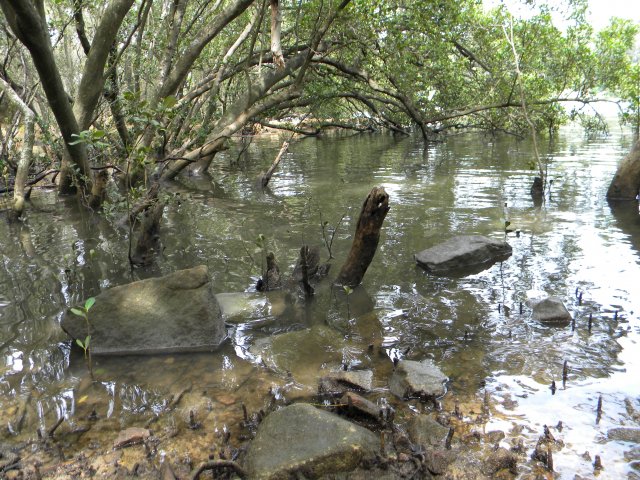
<point x="477" y="327"/>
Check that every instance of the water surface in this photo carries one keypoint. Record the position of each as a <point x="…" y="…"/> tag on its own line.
<point x="575" y="246"/>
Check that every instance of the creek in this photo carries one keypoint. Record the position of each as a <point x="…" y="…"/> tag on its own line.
<point x="575" y="246"/>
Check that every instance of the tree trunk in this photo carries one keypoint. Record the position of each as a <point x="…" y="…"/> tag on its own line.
<point x="93" y="79"/>
<point x="26" y="153"/>
<point x="29" y="25"/>
<point x="149" y="237"/>
<point x="276" y="22"/>
<point x="626" y="182"/>
<point x="365" y="241"/>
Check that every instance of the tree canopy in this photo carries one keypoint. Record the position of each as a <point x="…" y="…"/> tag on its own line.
<point x="151" y="87"/>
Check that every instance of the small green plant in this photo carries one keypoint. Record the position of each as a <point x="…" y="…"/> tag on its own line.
<point x="328" y="231"/>
<point x="84" y="313"/>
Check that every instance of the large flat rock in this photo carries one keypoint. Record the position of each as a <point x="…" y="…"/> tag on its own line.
<point x="170" y="314"/>
<point x="301" y="440"/>
<point x="463" y="254"/>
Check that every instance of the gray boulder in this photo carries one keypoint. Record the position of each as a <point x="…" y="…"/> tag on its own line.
<point x="463" y="254"/>
<point x="301" y="440"/>
<point x="550" y="310"/>
<point x="417" y="379"/>
<point x="170" y="314"/>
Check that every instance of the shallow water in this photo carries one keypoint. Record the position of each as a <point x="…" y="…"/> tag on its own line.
<point x="573" y="246"/>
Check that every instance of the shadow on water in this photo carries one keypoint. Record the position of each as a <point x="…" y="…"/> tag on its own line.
<point x="476" y="327"/>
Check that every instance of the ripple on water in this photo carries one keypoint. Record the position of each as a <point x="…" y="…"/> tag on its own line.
<point x="574" y="246"/>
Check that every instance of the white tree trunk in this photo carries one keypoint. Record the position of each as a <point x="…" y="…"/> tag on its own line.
<point x="26" y="154"/>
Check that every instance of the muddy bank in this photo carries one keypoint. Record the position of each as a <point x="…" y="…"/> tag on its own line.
<point x="198" y="432"/>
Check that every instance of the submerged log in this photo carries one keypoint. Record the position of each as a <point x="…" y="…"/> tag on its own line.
<point x="149" y="237"/>
<point x="365" y="241"/>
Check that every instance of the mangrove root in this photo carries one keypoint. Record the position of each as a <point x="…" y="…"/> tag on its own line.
<point x="217" y="465"/>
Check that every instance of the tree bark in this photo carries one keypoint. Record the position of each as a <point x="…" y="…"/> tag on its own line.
<point x="235" y="117"/>
<point x="29" y="25"/>
<point x="365" y="242"/>
<point x="112" y="94"/>
<point x="626" y="182"/>
<point x="26" y="153"/>
<point x="174" y="23"/>
<point x="93" y="79"/>
<point x="192" y="52"/>
<point x="276" y="22"/>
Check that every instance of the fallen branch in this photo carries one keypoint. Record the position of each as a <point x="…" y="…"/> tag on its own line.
<point x="36" y="179"/>
<point x="264" y="179"/>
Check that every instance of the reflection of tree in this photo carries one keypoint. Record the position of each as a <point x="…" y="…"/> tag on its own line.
<point x="627" y="219"/>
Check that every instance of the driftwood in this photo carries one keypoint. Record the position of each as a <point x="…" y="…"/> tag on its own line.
<point x="365" y="242"/>
<point x="265" y="177"/>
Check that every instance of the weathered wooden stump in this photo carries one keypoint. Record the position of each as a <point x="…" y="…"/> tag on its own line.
<point x="365" y="242"/>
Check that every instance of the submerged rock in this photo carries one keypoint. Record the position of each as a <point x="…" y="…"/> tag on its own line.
<point x="304" y="352"/>
<point x="301" y="440"/>
<point x="338" y="383"/>
<point x="501" y="459"/>
<point x="7" y="458"/>
<point x="463" y="254"/>
<point x="550" y="310"/>
<point x="417" y="379"/>
<point x="131" y="436"/>
<point x="357" y="405"/>
<point x="424" y="430"/>
<point x="170" y="314"/>
<point x="354" y="379"/>
<point x="253" y="307"/>
<point x="624" y="434"/>
<point x="437" y="461"/>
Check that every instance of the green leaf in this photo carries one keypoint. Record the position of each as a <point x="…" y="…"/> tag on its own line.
<point x="97" y="134"/>
<point x="169" y="102"/>
<point x="89" y="303"/>
<point x="347" y="289"/>
<point x="79" y="312"/>
<point x="79" y="342"/>
<point x="86" y="341"/>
